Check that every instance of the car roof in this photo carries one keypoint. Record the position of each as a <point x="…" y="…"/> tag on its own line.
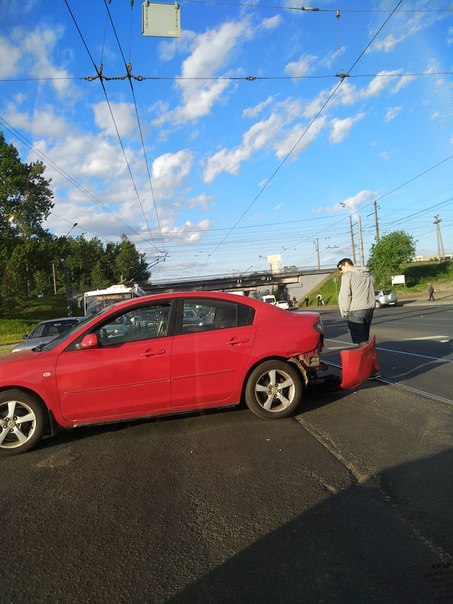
<point x="137" y="302"/>
<point x="61" y="319"/>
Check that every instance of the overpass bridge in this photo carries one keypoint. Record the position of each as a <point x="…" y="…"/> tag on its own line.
<point x="298" y="282"/>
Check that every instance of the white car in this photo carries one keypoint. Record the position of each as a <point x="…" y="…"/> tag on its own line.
<point x="385" y="297"/>
<point x="272" y="300"/>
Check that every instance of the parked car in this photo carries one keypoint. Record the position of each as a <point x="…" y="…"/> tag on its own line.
<point x="385" y="297"/>
<point x="271" y="299"/>
<point x="46" y="331"/>
<point x="243" y="349"/>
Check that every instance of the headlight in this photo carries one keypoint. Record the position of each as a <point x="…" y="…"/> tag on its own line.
<point x="319" y="326"/>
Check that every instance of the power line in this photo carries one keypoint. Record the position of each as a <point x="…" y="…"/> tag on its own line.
<point x="314" y="119"/>
<point x="310" y="9"/>
<point x="141" y="133"/>
<point x="99" y="72"/>
<point x="100" y="75"/>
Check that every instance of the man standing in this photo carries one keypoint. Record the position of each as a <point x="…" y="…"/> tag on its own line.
<point x="431" y="293"/>
<point x="356" y="300"/>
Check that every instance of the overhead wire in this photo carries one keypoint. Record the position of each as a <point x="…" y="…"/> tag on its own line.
<point x="248" y="78"/>
<point x="140" y="131"/>
<point x="307" y="128"/>
<point x="99" y="74"/>
<point x="311" y="9"/>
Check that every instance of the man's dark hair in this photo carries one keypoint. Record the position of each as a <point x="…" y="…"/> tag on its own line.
<point x="344" y="261"/>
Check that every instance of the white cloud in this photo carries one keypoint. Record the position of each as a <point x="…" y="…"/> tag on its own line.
<point x="42" y="122"/>
<point x="271" y="23"/>
<point x="82" y="157"/>
<point x="37" y="46"/>
<point x="299" y="139"/>
<point x="251" y="112"/>
<point x="170" y="170"/>
<point x="267" y="133"/>
<point x="301" y="67"/>
<point x="256" y="137"/>
<point x="341" y="127"/>
<point x="9" y="58"/>
<point x="168" y="49"/>
<point x="124" y="114"/>
<point x="405" y="28"/>
<point x="392" y="113"/>
<point x="202" y="201"/>
<point x="354" y="203"/>
<point x="212" y="50"/>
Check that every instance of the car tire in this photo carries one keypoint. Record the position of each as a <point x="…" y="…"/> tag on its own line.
<point x="377" y="304"/>
<point x="23" y="422"/>
<point x="274" y="390"/>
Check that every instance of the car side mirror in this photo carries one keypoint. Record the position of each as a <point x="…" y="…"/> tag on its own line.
<point x="89" y="341"/>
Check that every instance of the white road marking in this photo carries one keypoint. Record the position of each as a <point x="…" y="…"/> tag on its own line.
<point x="442" y="338"/>
<point x="412" y="354"/>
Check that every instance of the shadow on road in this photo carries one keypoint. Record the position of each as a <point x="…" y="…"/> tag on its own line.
<point x="382" y="541"/>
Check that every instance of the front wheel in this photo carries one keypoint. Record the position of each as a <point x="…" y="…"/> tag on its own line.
<point x="273" y="390"/>
<point x="22" y="422"/>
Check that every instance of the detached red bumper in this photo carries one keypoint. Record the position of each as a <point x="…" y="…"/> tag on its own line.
<point x="358" y="365"/>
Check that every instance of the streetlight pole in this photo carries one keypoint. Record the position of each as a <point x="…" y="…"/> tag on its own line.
<point x="316" y="244"/>
<point x="352" y="240"/>
<point x="73" y="227"/>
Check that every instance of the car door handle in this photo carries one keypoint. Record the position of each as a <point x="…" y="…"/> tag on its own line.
<point x="234" y="341"/>
<point x="151" y="352"/>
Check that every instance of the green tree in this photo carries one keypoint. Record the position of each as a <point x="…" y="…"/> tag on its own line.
<point x="25" y="196"/>
<point x="389" y="254"/>
<point x="25" y="202"/>
<point x="130" y="265"/>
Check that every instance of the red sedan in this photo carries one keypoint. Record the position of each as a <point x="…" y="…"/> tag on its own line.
<point x="159" y="355"/>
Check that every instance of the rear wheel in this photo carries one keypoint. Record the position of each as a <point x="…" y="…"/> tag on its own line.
<point x="23" y="422"/>
<point x="274" y="390"/>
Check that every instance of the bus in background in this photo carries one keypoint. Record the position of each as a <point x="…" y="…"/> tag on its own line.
<point x="98" y="299"/>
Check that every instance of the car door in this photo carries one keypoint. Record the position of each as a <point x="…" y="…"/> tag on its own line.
<point x="213" y="342"/>
<point x="126" y="375"/>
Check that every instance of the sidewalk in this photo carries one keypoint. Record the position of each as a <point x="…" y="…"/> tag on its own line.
<point x="441" y="297"/>
<point x="421" y="298"/>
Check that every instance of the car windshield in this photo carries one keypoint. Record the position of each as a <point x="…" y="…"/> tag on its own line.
<point x="52" y="328"/>
<point x="66" y="334"/>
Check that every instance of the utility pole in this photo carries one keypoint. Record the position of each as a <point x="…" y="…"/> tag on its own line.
<point x="440" y="245"/>
<point x="376" y="220"/>
<point x="362" y="256"/>
<point x="54" y="279"/>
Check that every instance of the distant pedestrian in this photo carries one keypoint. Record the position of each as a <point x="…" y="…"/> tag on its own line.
<point x="306" y="300"/>
<point x="320" y="300"/>
<point x="431" y="293"/>
<point x="356" y="300"/>
<point x="294" y="300"/>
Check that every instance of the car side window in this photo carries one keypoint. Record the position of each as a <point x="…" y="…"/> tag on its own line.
<point x="206" y="315"/>
<point x="143" y="323"/>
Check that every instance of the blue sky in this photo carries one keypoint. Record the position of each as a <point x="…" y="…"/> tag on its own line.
<point x="238" y="140"/>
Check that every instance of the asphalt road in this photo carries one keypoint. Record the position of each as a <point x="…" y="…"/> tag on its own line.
<point x="414" y="345"/>
<point x="350" y="501"/>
